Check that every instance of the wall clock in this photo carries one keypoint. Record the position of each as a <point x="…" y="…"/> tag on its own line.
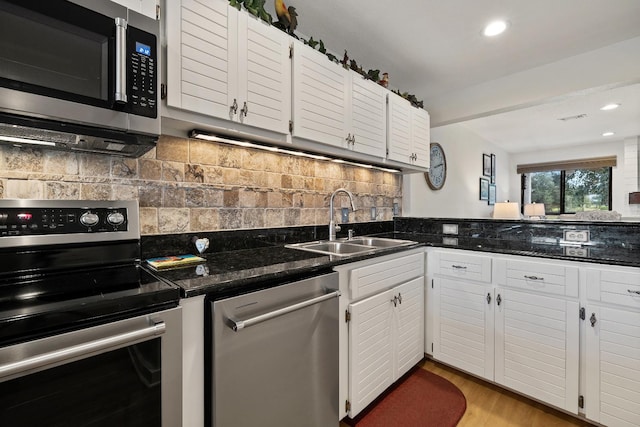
<point x="437" y="174"/>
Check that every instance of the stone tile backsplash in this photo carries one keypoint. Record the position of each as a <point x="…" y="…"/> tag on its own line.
<point x="186" y="185"/>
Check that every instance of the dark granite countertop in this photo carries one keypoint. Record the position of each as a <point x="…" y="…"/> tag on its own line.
<point x="250" y="260"/>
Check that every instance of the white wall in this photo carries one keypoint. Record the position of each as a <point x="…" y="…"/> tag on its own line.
<point x="620" y="192"/>
<point x="459" y="198"/>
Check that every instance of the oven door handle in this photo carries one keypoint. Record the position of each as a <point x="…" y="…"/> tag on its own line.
<point x="237" y="325"/>
<point x="80" y="351"/>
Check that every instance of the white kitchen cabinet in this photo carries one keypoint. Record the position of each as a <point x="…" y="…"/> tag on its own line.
<point x="382" y="335"/>
<point x="517" y="326"/>
<point x="385" y="340"/>
<point x="613" y="347"/>
<point x="462" y="311"/>
<point x="408" y="132"/>
<point x="223" y="63"/>
<point x="335" y="106"/>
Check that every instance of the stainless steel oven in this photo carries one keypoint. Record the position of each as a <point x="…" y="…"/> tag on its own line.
<point x="89" y="64"/>
<point x="87" y="337"/>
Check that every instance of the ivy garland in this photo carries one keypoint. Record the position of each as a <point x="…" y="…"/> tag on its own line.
<point x="256" y="8"/>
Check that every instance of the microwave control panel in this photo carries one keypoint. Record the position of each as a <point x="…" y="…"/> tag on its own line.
<point x="142" y="72"/>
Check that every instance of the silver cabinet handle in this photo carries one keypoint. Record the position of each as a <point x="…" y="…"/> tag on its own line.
<point x="399" y="297"/>
<point x="237" y="325"/>
<point x="593" y="320"/>
<point x="234" y="107"/>
<point x="395" y="301"/>
<point x="353" y="140"/>
<point x="489" y="298"/>
<point x="121" y="60"/>
<point x="533" y="277"/>
<point x="77" y="351"/>
<point x="459" y="267"/>
<point x="245" y="109"/>
<point x="631" y="291"/>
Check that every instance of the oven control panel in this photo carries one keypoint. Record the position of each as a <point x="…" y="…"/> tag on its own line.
<point x="66" y="220"/>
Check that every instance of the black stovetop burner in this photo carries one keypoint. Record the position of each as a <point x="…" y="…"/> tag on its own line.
<point x="84" y="274"/>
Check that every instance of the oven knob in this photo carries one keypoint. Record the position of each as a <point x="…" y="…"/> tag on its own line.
<point x="89" y="219"/>
<point x="115" y="218"/>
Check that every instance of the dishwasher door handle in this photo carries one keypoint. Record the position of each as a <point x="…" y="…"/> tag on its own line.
<point x="237" y="325"/>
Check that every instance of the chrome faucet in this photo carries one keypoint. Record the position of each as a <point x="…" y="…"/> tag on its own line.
<point x="332" y="225"/>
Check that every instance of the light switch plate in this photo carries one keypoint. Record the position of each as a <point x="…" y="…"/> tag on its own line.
<point x="449" y="228"/>
<point x="396" y="209"/>
<point x="373" y="213"/>
<point x="345" y="215"/>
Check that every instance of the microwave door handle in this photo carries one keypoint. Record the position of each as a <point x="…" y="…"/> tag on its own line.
<point x="121" y="60"/>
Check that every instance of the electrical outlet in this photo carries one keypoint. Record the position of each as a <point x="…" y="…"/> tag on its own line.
<point x="449" y="228"/>
<point x="345" y="215"/>
<point x="396" y="209"/>
<point x="373" y="213"/>
<point x="581" y="236"/>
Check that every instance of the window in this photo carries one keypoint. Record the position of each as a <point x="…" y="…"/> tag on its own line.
<point x="570" y="191"/>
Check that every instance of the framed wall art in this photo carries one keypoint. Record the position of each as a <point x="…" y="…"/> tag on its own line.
<point x="493" y="168"/>
<point x="486" y="165"/>
<point x="492" y="194"/>
<point x="484" y="189"/>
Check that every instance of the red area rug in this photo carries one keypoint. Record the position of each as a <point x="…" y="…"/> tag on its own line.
<point x="421" y="399"/>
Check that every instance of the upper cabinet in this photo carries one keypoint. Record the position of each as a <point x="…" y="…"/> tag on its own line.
<point x="227" y="64"/>
<point x="409" y="132"/>
<point x="336" y="106"/>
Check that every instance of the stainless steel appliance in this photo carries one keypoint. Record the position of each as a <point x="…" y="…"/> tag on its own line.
<point x="87" y="338"/>
<point x="78" y="75"/>
<point x="274" y="360"/>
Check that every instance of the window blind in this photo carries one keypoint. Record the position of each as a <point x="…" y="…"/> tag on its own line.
<point x="591" y="163"/>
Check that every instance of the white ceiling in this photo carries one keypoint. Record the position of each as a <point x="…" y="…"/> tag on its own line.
<point x="435" y="50"/>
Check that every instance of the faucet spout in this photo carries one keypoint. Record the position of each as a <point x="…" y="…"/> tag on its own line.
<point x="333" y="228"/>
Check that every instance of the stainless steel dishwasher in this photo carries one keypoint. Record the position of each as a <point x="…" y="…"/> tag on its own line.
<point x="275" y="356"/>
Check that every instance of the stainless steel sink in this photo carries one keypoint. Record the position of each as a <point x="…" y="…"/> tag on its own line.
<point x="343" y="247"/>
<point x="380" y="242"/>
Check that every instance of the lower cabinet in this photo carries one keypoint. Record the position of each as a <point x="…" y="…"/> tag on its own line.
<point x="612" y="319"/>
<point x="382" y="337"/>
<point x="510" y="321"/>
<point x="385" y="340"/>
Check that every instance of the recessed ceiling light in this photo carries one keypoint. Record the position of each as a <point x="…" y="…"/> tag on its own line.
<point x="610" y="107"/>
<point x="494" y="28"/>
<point x="608" y="134"/>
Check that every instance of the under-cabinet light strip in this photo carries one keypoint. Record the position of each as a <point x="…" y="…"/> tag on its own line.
<point x="17" y="140"/>
<point x="215" y="138"/>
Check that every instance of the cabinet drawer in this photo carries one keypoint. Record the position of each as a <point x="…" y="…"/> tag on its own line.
<point x="464" y="266"/>
<point x="614" y="287"/>
<point x="545" y="277"/>
<point x="371" y="279"/>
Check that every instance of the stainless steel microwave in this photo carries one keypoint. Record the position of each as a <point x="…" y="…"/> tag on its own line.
<point x="78" y="75"/>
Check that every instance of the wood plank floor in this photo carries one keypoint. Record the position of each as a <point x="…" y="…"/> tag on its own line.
<point x="491" y="406"/>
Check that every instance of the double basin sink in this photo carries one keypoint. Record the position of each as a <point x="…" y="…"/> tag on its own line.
<point x="350" y="247"/>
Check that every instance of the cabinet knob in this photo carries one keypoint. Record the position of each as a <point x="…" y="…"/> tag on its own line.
<point x="489" y="298"/>
<point x="399" y="297"/>
<point x="353" y="140"/>
<point x="593" y="320"/>
<point x="395" y="301"/>
<point x="499" y="299"/>
<point x="234" y="107"/>
<point x="245" y="109"/>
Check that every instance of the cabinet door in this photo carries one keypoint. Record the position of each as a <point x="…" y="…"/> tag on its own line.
<point x="368" y="116"/>
<point x="613" y="366"/>
<point x="399" y="131"/>
<point x="421" y="137"/>
<point x="370" y="349"/>
<point x="319" y="97"/>
<point x="202" y="56"/>
<point x="537" y="346"/>
<point x="463" y="326"/>
<point x="410" y="322"/>
<point x="264" y="67"/>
